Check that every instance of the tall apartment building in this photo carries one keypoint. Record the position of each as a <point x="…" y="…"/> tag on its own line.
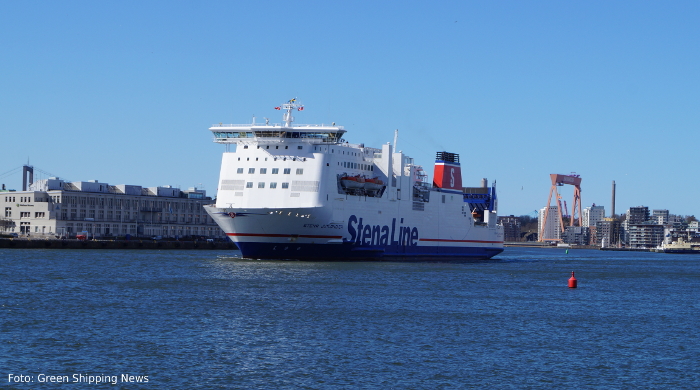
<point x="552" y="231"/>
<point x="608" y="232"/>
<point x="638" y="214"/>
<point x="635" y="215"/>
<point x="592" y="215"/>
<point x="53" y="207"/>
<point x="645" y="235"/>
<point x="660" y="217"/>
<point x="511" y="227"/>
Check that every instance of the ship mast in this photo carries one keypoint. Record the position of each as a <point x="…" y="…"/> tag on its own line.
<point x="288" y="107"/>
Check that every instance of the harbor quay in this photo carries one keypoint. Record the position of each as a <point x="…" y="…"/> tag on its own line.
<point x="24" y="243"/>
<point x="56" y="209"/>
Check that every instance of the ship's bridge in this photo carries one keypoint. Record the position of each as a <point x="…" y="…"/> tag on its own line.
<point x="267" y="133"/>
<point x="317" y="134"/>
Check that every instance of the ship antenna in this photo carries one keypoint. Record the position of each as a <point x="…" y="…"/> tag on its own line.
<point x="288" y="107"/>
<point x="396" y="138"/>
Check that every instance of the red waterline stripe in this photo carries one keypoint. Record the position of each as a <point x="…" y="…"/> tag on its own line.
<point x="279" y="235"/>
<point x="443" y="240"/>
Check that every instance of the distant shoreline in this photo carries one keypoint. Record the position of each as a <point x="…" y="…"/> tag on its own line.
<point x="535" y="244"/>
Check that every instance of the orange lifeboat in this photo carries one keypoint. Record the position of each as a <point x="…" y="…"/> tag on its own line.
<point x="375" y="184"/>
<point x="353" y="182"/>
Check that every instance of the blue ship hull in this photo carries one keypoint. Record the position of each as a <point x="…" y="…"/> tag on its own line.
<point x="344" y="252"/>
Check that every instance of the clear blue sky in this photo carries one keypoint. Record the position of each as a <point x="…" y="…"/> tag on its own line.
<point x="124" y="92"/>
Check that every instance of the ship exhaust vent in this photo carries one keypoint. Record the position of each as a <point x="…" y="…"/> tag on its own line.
<point x="447" y="157"/>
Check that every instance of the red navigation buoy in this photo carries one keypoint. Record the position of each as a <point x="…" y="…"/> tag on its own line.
<point x="572" y="280"/>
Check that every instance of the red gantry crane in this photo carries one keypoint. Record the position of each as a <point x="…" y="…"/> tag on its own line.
<point x="557" y="181"/>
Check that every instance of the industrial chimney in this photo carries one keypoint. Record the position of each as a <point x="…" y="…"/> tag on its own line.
<point x="613" y="201"/>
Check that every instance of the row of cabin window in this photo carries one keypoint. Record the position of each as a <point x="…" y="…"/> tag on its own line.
<point x="326" y="136"/>
<point x="333" y="151"/>
<point x="287" y="171"/>
<point x="262" y="184"/>
<point x="352" y="165"/>
<point x="276" y="147"/>
<point x="275" y="158"/>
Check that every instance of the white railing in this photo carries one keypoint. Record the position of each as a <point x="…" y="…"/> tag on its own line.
<point x="222" y="125"/>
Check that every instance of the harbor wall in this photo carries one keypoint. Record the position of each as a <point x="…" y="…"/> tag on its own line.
<point x="113" y="244"/>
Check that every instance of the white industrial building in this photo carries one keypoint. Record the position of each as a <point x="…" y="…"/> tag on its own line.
<point x="53" y="207"/>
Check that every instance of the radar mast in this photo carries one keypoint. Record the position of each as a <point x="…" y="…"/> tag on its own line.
<point x="289" y="106"/>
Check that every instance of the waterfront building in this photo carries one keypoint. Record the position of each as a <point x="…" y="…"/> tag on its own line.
<point x="635" y="215"/>
<point x="645" y="235"/>
<point x="511" y="227"/>
<point x="53" y="207"/>
<point x="690" y="234"/>
<point x="592" y="215"/>
<point x="552" y="231"/>
<point x="608" y="232"/>
<point x="576" y="235"/>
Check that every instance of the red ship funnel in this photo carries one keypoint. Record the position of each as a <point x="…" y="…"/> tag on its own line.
<point x="447" y="173"/>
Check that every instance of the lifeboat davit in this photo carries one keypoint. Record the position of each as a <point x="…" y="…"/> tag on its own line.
<point x="353" y="182"/>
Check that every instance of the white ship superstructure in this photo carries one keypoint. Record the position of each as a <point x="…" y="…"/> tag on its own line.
<point x="303" y="192"/>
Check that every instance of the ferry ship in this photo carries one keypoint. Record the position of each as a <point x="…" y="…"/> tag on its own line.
<point x="303" y="192"/>
<point x="679" y="246"/>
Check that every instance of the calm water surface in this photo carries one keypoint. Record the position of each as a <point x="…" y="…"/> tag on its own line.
<point x="207" y="319"/>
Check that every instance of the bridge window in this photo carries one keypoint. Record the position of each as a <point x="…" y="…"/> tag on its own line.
<point x="275" y="171"/>
<point x="249" y="184"/>
<point x="263" y="171"/>
<point x="251" y="170"/>
<point x="287" y="171"/>
<point x="273" y="185"/>
<point x="239" y="170"/>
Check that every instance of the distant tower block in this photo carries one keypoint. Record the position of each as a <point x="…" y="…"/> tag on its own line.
<point x="560" y="180"/>
<point x="27" y="170"/>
